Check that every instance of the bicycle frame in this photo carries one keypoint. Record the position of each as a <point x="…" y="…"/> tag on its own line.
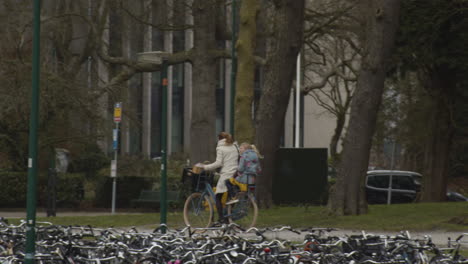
<point x="209" y="191"/>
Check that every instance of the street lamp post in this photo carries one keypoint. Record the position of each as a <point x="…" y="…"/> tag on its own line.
<point x="164" y="82"/>
<point x="233" y="64"/>
<point x="33" y="124"/>
<point x="157" y="57"/>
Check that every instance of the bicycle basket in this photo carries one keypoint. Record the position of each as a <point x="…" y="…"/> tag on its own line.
<point x="199" y="181"/>
<point x="196" y="182"/>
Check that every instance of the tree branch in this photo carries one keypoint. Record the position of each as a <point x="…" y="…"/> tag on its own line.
<point x="334" y="71"/>
<point x="161" y="26"/>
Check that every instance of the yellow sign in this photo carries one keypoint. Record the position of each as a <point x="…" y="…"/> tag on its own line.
<point x="118" y="112"/>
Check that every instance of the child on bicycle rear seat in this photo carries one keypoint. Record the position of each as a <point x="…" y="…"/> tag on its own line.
<point x="249" y="168"/>
<point x="227" y="157"/>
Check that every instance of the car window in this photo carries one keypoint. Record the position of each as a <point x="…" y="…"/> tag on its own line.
<point x="378" y="181"/>
<point x="417" y="179"/>
<point x="402" y="182"/>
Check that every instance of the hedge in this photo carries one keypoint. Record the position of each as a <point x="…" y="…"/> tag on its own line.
<point x="69" y="189"/>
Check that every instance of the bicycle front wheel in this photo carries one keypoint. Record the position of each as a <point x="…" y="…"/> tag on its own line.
<point x="198" y="211"/>
<point x="244" y="212"/>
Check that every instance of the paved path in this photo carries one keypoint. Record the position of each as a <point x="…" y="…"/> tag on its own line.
<point x="22" y="214"/>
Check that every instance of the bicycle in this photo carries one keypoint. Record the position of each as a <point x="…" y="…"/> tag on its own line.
<point x="450" y="255"/>
<point x="200" y="206"/>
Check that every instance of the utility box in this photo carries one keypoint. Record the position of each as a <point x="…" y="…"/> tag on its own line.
<point x="301" y="176"/>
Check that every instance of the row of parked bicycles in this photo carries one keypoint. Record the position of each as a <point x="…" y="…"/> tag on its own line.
<point x="225" y="244"/>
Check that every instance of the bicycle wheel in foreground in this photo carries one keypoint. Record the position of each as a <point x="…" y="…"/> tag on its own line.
<point x="198" y="211"/>
<point x="244" y="212"/>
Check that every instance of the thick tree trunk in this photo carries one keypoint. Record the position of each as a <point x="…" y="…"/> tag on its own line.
<point x="436" y="163"/>
<point x="203" y="130"/>
<point x="381" y="21"/>
<point x="245" y="46"/>
<point x="279" y="73"/>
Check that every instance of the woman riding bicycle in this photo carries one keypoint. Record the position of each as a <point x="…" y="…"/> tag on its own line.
<point x="227" y="156"/>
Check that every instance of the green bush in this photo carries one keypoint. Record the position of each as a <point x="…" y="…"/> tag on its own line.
<point x="69" y="189"/>
<point x="13" y="192"/>
<point x="127" y="188"/>
<point x="93" y="170"/>
<point x="90" y="162"/>
<point x="134" y="175"/>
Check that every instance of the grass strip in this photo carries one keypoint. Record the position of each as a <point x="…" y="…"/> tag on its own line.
<point x="414" y="217"/>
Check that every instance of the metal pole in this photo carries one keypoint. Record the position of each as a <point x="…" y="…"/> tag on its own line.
<point x="163" y="206"/>
<point x="114" y="181"/>
<point x="392" y="161"/>
<point x="233" y="63"/>
<point x="51" y="184"/>
<point x="115" y="143"/>
<point x="389" y="196"/>
<point x="33" y="124"/>
<point x="298" y="101"/>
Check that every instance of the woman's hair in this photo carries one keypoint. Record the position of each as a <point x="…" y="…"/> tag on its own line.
<point x="227" y="136"/>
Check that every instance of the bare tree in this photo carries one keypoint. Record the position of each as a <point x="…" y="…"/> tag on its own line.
<point x="66" y="103"/>
<point x="335" y="90"/>
<point x="380" y="24"/>
<point x="282" y="50"/>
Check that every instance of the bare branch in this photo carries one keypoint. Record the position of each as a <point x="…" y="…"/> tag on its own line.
<point x="132" y="67"/>
<point x="332" y="72"/>
<point x="161" y="26"/>
<point x="320" y="84"/>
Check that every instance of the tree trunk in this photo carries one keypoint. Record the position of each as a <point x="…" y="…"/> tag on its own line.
<point x="203" y="129"/>
<point x="245" y="78"/>
<point x="340" y="123"/>
<point x="438" y="147"/>
<point x="381" y="21"/>
<point x="282" y="52"/>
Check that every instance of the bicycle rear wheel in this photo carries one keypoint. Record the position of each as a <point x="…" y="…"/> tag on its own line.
<point x="244" y="212"/>
<point x="198" y="211"/>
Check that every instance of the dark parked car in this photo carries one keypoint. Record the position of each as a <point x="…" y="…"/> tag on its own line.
<point x="398" y="186"/>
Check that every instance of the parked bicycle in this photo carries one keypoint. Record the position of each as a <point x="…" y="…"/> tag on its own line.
<point x="200" y="206"/>
<point x="451" y="254"/>
<point x="224" y="244"/>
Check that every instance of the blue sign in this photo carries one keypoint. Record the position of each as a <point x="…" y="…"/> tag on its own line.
<point x="115" y="133"/>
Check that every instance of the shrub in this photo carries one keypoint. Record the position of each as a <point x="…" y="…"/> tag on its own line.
<point x="134" y="175"/>
<point x="69" y="189"/>
<point x="13" y="192"/>
<point x="89" y="162"/>
<point x="127" y="188"/>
